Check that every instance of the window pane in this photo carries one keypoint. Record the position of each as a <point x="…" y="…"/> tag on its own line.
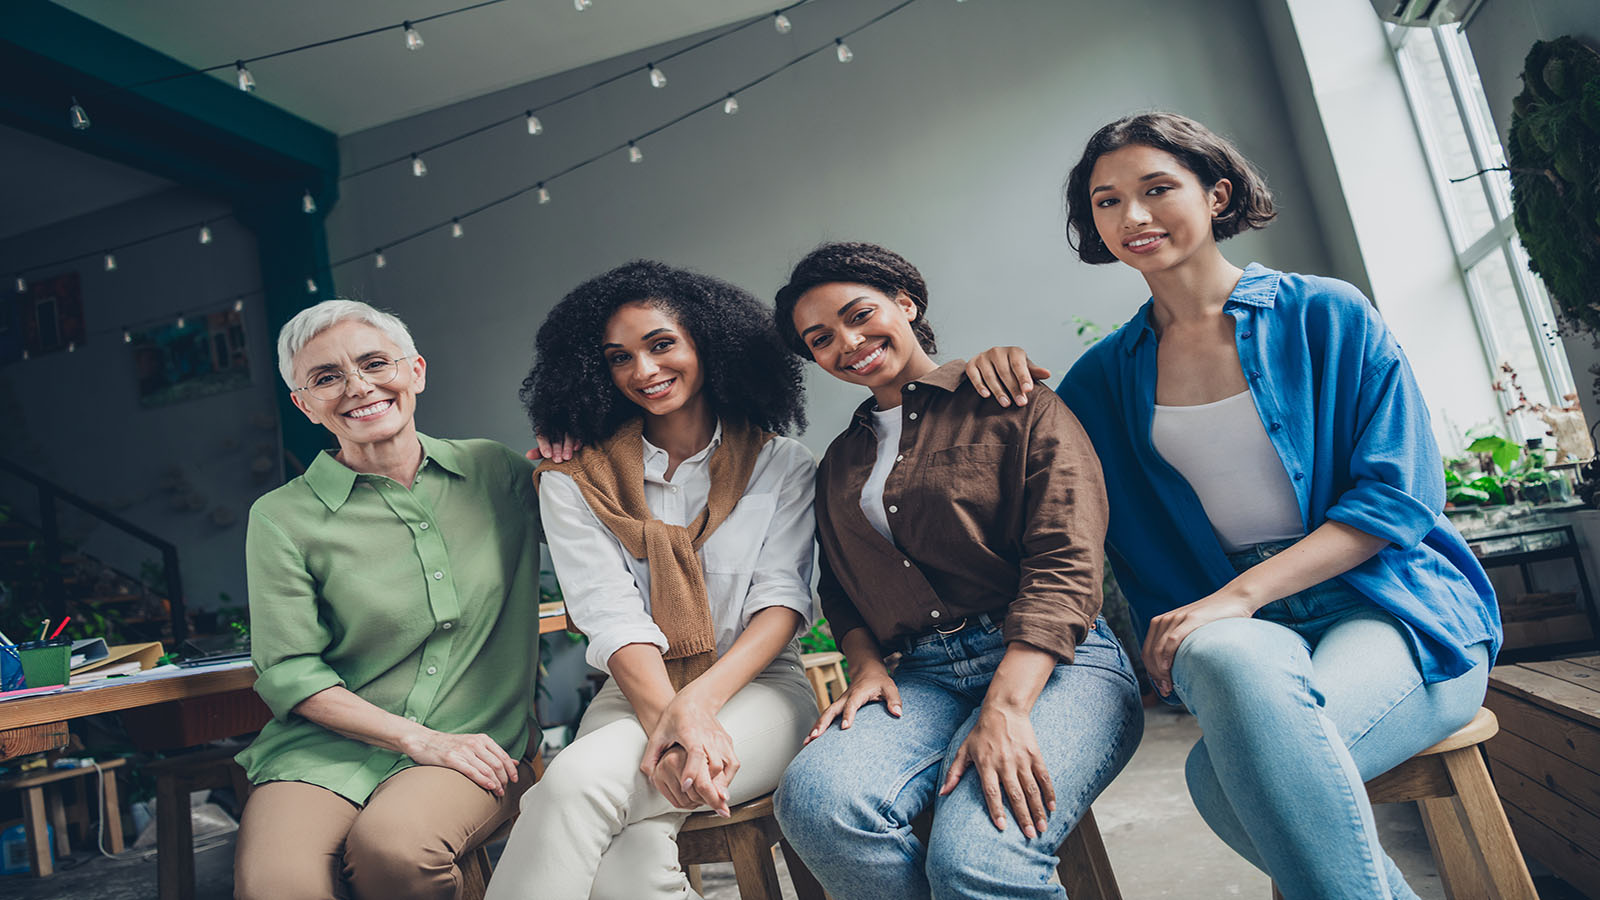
<point x="1545" y="319"/>
<point x="1482" y="122"/>
<point x="1465" y="202"/>
<point x="1501" y="309"/>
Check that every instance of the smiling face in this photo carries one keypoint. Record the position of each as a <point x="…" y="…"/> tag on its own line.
<point x="861" y="335"/>
<point x="1151" y="211"/>
<point x="363" y="413"/>
<point x="652" y="359"/>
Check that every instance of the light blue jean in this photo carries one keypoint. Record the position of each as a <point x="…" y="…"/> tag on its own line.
<point x="847" y="801"/>
<point x="1299" y="707"/>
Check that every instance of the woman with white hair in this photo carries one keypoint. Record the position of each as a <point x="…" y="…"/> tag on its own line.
<point x="393" y="612"/>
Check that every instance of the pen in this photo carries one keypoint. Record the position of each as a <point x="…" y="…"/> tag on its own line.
<point x="59" y="628"/>
<point x="44" y="628"/>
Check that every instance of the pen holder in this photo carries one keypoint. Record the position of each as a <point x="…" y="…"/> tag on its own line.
<point x="45" y="663"/>
<point x="11" y="669"/>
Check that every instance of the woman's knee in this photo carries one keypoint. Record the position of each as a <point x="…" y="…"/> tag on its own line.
<point x="1243" y="654"/>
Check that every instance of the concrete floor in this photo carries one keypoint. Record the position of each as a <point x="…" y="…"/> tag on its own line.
<point x="1157" y="842"/>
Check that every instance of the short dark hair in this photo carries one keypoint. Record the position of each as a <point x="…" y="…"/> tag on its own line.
<point x="855" y="263"/>
<point x="1202" y="151"/>
<point x="569" y="391"/>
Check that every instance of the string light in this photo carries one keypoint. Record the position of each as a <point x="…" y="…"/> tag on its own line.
<point x="581" y="5"/>
<point x="24" y="353"/>
<point x="730" y="105"/>
<point x="79" y="118"/>
<point x="22" y="285"/>
<point x="247" y="82"/>
<point x="418" y="167"/>
<point x="842" y="50"/>
<point x="311" y="285"/>
<point x="308" y="203"/>
<point x="111" y="262"/>
<point x="127" y="336"/>
<point x="658" y="78"/>
<point x="205" y="234"/>
<point x="780" y="23"/>
<point x="182" y="322"/>
<point x="455" y="228"/>
<point x="72" y="346"/>
<point x="634" y="153"/>
<point x="413" y="37"/>
<point x="544" y="194"/>
<point x="238" y="305"/>
<point x="534" y="125"/>
<point x="378" y="259"/>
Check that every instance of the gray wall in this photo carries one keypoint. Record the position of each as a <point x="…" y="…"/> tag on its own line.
<point x="76" y="419"/>
<point x="947" y="139"/>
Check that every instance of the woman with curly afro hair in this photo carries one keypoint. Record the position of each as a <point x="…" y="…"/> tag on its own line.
<point x="682" y="536"/>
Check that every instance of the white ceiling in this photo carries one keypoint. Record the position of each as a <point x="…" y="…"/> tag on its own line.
<point x="369" y="81"/>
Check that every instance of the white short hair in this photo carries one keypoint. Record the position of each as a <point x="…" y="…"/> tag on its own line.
<point x="312" y="321"/>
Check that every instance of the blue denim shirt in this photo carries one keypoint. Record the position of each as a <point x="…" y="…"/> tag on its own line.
<point x="1341" y="406"/>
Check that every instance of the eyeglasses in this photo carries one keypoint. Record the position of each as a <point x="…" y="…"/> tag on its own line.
<point x="330" y="383"/>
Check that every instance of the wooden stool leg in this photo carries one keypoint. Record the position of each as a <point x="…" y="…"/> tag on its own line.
<point x="806" y="886"/>
<point x="1276" y="894"/>
<point x="1085" y="870"/>
<point x="819" y="687"/>
<point x="753" y="867"/>
<point x="1460" y="867"/>
<point x="112" y="813"/>
<point x="1487" y="826"/>
<point x="174" y="839"/>
<point x="476" y="869"/>
<point x="58" y="820"/>
<point x="692" y="872"/>
<point x="33" y="821"/>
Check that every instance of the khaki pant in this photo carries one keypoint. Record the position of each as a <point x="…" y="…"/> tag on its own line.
<point x="298" y="841"/>
<point x="595" y="828"/>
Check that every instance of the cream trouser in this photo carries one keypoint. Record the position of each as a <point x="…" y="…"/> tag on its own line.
<point x="595" y="827"/>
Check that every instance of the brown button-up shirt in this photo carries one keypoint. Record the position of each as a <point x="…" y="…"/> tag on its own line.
<point x="998" y="510"/>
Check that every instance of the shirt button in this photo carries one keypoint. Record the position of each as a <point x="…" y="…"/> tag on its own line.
<point x="1255" y="376"/>
<point x="446" y="626"/>
<point x="935" y="614"/>
<point x="674" y="489"/>
<point x="1277" y="426"/>
<point x="423" y="526"/>
<point x="911" y="387"/>
<point x="1299" y="476"/>
<point x="433" y="670"/>
<point x="411" y="718"/>
<point x="894" y="509"/>
<point x="1244" y="334"/>
<point x="900" y="458"/>
<point x="906" y="562"/>
<point x="911" y="416"/>
<point x="438" y="575"/>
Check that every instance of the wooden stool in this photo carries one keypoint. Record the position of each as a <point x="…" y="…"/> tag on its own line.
<point x="744" y="839"/>
<point x="176" y="778"/>
<point x="41" y="799"/>
<point x="1467" y="829"/>
<point x="1084" y="870"/>
<point x="826" y="674"/>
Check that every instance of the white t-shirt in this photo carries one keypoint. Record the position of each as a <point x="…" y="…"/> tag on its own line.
<point x="1223" y="451"/>
<point x="886" y="422"/>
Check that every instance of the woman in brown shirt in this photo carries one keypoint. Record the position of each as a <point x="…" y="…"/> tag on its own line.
<point x="966" y="537"/>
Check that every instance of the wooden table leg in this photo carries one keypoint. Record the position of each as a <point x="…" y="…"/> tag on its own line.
<point x="174" y="839"/>
<point x="111" y="811"/>
<point x="33" y="821"/>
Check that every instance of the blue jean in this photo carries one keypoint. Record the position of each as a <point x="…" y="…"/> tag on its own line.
<point x="847" y="801"/>
<point x="1299" y="707"/>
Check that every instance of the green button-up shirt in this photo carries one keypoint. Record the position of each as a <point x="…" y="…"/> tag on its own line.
<point x="423" y="602"/>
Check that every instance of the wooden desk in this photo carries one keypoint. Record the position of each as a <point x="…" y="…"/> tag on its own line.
<point x="1546" y="762"/>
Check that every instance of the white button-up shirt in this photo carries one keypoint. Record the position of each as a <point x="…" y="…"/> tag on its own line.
<point x="760" y="556"/>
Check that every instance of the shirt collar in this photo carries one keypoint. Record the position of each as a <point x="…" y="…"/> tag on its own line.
<point x="946" y="378"/>
<point x="332" y="481"/>
<point x="655" y="458"/>
<point x="1257" y="287"/>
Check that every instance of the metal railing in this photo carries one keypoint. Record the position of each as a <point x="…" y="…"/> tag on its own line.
<point x="50" y="494"/>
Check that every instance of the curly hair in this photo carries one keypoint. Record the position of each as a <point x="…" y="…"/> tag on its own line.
<point x="854" y="263"/>
<point x="569" y="391"/>
<point x="1202" y="151"/>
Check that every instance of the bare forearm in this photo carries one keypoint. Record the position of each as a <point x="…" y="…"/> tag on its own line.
<point x="342" y="712"/>
<point x="641" y="673"/>
<point x="1020" y="678"/>
<point x="1330" y="550"/>
<point x="769" y="631"/>
<point x="861" y="650"/>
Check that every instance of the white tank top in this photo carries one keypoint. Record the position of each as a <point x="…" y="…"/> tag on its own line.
<point x="1224" y="453"/>
<point x="888" y="425"/>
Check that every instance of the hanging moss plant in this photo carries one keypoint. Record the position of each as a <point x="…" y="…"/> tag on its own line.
<point x="1554" y="152"/>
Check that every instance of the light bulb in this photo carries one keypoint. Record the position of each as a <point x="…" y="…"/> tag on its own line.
<point x="127" y="336"/>
<point x="534" y="125"/>
<point x="22" y="285"/>
<point x="544" y="194"/>
<point x="842" y="50"/>
<point x="111" y="262"/>
<point x="634" y="153"/>
<point x="311" y="285"/>
<point x="72" y="346"/>
<point x="581" y="5"/>
<point x="308" y="203"/>
<point x="238" y="305"/>
<point x="205" y="234"/>
<point x="413" y="37"/>
<point x="378" y="259"/>
<point x="418" y="167"/>
<point x="79" y="118"/>
<point x="24" y="353"/>
<point x="455" y="228"/>
<point x="780" y="23"/>
<point x="730" y="105"/>
<point x="658" y="78"/>
<point x="247" y="82"/>
<point x="182" y="322"/>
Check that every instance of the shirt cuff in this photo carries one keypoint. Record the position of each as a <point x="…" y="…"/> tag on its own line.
<point x="284" y="684"/>
<point x="601" y="647"/>
<point x="1384" y="511"/>
<point x="1053" y="633"/>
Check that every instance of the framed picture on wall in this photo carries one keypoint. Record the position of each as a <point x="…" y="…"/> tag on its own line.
<point x="203" y="356"/>
<point x="46" y="318"/>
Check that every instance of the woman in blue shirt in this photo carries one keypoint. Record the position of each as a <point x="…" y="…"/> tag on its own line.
<point x="1276" y="511"/>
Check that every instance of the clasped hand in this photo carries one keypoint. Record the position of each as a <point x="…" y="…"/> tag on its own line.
<point x="1168" y="631"/>
<point x="690" y="757"/>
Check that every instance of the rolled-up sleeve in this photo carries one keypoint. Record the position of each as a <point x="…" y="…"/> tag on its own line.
<point x="1398" y="490"/>
<point x="287" y="633"/>
<point x="1063" y="537"/>
<point x="601" y="595"/>
<point x="782" y="574"/>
